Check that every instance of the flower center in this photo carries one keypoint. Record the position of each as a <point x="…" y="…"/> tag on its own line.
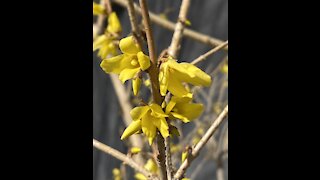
<point x="134" y="62"/>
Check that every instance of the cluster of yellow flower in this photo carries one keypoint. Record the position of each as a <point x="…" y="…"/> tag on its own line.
<point x="173" y="77"/>
<point x="105" y="42"/>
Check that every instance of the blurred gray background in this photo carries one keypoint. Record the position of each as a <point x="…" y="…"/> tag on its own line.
<point x="208" y="17"/>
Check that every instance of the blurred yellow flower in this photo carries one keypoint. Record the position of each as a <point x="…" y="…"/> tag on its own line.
<point x="98" y="9"/>
<point x="184" y="155"/>
<point x="114" y="25"/>
<point x="172" y="76"/>
<point x="183" y="109"/>
<point x="105" y="45"/>
<point x="148" y="119"/>
<point x="116" y="174"/>
<point x="135" y="150"/>
<point x="151" y="166"/>
<point x="129" y="64"/>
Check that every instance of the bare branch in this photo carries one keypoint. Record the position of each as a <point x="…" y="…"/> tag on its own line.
<point x="209" y="53"/>
<point x="122" y="157"/>
<point x="178" y="31"/>
<point x="182" y="169"/>
<point x="153" y="73"/>
<point x="202" y="38"/>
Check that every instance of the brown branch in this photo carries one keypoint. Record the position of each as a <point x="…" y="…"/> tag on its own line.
<point x="209" y="53"/>
<point x="178" y="31"/>
<point x="133" y="21"/>
<point x="202" y="38"/>
<point x="168" y="158"/>
<point x="107" y="5"/>
<point x="195" y="151"/>
<point x="153" y="73"/>
<point x="122" y="157"/>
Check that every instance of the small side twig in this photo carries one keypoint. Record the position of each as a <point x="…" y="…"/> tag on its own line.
<point x="178" y="31"/>
<point x="209" y="53"/>
<point x="182" y="169"/>
<point x="107" y="149"/>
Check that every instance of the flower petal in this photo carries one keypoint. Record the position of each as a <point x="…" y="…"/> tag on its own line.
<point x="129" y="46"/>
<point x="113" y="64"/>
<point x="114" y="25"/>
<point x="98" y="9"/>
<point x="144" y="61"/>
<point x="157" y="111"/>
<point x="138" y="112"/>
<point x="176" y="87"/>
<point x="99" y="41"/>
<point x="198" y="77"/>
<point x="131" y="129"/>
<point x="164" y="78"/>
<point x="162" y="125"/>
<point x="151" y="166"/>
<point x="128" y="74"/>
<point x="148" y="128"/>
<point x="189" y="110"/>
<point x="136" y="83"/>
<point x="181" y="117"/>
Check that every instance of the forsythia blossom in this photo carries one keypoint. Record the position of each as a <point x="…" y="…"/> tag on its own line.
<point x="151" y="166"/>
<point x="129" y="64"/>
<point x="98" y="9"/>
<point x="172" y="76"/>
<point x="148" y="119"/>
<point x="105" y="42"/>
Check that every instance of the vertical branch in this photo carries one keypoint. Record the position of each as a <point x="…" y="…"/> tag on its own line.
<point x="153" y="70"/>
<point x="168" y="158"/>
<point x="153" y="73"/>
<point x="133" y="21"/>
<point x="178" y="31"/>
<point x="107" y="5"/>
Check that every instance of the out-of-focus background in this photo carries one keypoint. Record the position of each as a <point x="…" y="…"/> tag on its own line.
<point x="209" y="17"/>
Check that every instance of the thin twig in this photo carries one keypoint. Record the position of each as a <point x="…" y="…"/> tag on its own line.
<point x="202" y="38"/>
<point x="122" y="157"/>
<point x="133" y="21"/>
<point x="107" y="5"/>
<point x="182" y="169"/>
<point x="178" y="31"/>
<point x="209" y="53"/>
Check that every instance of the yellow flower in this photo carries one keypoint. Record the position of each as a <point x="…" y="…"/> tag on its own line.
<point x="183" y="109"/>
<point x="224" y="68"/>
<point x="136" y="83"/>
<point x="129" y="64"/>
<point x="98" y="9"/>
<point x="116" y="174"/>
<point x="173" y="74"/>
<point x="135" y="150"/>
<point x="148" y="119"/>
<point x="114" y="25"/>
<point x="151" y="166"/>
<point x="184" y="155"/>
<point x="105" y="45"/>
